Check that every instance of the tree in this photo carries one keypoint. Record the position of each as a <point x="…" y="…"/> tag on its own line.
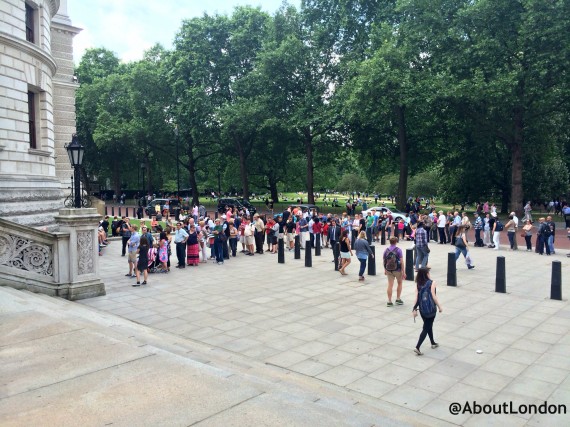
<point x="507" y="60"/>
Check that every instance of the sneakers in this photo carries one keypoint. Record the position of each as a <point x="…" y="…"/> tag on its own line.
<point x="144" y="283"/>
<point x="399" y="302"/>
<point x="470" y="267"/>
<point x="418" y="352"/>
<point x="137" y="284"/>
<point x="389" y="304"/>
<point x="435" y="345"/>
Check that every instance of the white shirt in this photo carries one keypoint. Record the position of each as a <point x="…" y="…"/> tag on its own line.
<point x="441" y="220"/>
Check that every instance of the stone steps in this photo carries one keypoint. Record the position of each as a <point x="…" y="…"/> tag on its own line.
<point x="175" y="380"/>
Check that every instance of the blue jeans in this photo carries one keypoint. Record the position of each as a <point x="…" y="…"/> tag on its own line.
<point x="219" y="250"/>
<point x="511" y="236"/>
<point x="233" y="245"/>
<point x="362" y="266"/>
<point x="459" y="251"/>
<point x="542" y="245"/>
<point x="551" y="243"/>
<point x="421" y="256"/>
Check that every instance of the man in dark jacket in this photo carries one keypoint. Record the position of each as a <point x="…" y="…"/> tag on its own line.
<point x="334" y="234"/>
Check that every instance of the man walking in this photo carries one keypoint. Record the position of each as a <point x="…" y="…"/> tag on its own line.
<point x="393" y="261"/>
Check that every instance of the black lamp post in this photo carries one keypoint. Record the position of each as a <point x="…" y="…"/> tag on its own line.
<point x="75" y="152"/>
<point x="177" y="163"/>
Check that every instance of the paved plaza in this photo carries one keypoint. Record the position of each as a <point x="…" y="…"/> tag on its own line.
<point x="254" y="342"/>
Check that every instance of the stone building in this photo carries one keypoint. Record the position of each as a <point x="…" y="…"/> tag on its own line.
<point x="37" y="111"/>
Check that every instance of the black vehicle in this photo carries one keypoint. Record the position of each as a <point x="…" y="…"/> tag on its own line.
<point x="247" y="204"/>
<point x="173" y="204"/>
<point x="237" y="202"/>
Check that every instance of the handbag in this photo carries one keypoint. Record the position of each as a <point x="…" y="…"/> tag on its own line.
<point x="459" y="242"/>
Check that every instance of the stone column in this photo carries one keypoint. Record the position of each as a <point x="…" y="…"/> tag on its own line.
<point x="80" y="265"/>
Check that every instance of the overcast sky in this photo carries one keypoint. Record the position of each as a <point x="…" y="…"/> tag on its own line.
<point x="129" y="27"/>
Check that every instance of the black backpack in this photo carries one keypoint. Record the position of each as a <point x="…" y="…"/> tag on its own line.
<point x="499" y="226"/>
<point x="391" y="261"/>
<point x="426" y="303"/>
<point x="546" y="230"/>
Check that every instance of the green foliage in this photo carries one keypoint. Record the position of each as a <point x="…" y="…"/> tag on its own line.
<point x="352" y="182"/>
<point x="470" y="96"/>
<point x="387" y="184"/>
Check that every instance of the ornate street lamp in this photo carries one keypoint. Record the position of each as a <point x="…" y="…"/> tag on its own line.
<point x="75" y="152"/>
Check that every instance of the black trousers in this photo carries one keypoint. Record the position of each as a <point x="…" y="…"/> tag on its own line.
<point x="441" y="231"/>
<point x="258" y="236"/>
<point x="125" y="240"/>
<point x="181" y="253"/>
<point x="427" y="330"/>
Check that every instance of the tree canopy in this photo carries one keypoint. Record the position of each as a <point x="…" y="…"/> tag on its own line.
<point x="467" y="99"/>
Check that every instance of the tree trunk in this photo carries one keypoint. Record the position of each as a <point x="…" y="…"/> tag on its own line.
<point x="192" y="174"/>
<point x="516" y="163"/>
<point x="308" y="141"/>
<point x="403" y="142"/>
<point x="242" y="168"/>
<point x="273" y="189"/>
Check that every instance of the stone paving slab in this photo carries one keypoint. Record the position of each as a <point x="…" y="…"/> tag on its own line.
<point x="336" y="331"/>
<point x="151" y="378"/>
<point x="314" y="322"/>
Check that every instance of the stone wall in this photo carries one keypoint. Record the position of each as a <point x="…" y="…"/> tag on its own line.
<point x="30" y="187"/>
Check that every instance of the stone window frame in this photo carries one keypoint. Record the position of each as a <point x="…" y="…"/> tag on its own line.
<point x="32" y="23"/>
<point x="34" y="124"/>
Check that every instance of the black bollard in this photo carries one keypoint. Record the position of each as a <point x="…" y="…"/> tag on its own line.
<point x="500" y="280"/>
<point x="120" y="211"/>
<point x="113" y="210"/>
<point x="383" y="237"/>
<point x="106" y="213"/>
<point x="281" y="251"/>
<point x="308" y="254"/>
<point x="336" y="254"/>
<point x="318" y="244"/>
<point x="451" y="270"/>
<point x="372" y="262"/>
<point x="556" y="281"/>
<point x="297" y="247"/>
<point x="216" y="215"/>
<point x="410" y="264"/>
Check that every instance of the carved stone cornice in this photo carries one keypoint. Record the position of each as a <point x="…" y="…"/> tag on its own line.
<point x="53" y="6"/>
<point x="29" y="49"/>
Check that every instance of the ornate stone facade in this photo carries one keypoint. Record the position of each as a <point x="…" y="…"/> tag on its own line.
<point x="85" y="249"/>
<point x="26" y="254"/>
<point x="37" y="116"/>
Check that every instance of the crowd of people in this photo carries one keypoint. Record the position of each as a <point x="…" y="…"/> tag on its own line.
<point x="197" y="238"/>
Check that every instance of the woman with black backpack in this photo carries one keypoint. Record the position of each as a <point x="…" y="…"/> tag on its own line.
<point x="428" y="304"/>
